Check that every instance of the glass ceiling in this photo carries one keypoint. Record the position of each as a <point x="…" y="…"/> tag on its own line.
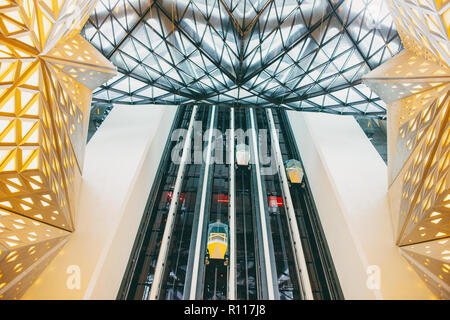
<point x="306" y="55"/>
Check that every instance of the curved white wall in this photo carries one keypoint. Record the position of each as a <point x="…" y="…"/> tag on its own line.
<point x="348" y="179"/>
<point x="121" y="161"/>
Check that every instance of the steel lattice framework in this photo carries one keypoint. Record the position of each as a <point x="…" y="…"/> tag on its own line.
<point x="305" y="55"/>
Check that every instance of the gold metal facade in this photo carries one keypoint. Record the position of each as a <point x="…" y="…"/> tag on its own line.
<point x="47" y="74"/>
<point x="415" y="84"/>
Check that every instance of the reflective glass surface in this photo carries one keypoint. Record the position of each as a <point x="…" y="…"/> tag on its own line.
<point x="298" y="54"/>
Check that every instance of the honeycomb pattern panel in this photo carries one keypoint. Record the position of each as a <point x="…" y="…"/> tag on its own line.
<point x="78" y="59"/>
<point x="47" y="74"/>
<point x="30" y="170"/>
<point x="416" y="87"/>
<point x="413" y="119"/>
<point x="71" y="113"/>
<point x="432" y="261"/>
<point x="424" y="214"/>
<point x="37" y="25"/>
<point x="44" y="108"/>
<point x="424" y="27"/>
<point x="404" y="75"/>
<point x="19" y="287"/>
<point x="419" y="144"/>
<point x="23" y="242"/>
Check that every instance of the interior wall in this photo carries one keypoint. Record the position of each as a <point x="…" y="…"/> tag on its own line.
<point x="121" y="162"/>
<point x="348" y="179"/>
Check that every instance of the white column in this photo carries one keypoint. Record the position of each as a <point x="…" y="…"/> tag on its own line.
<point x="232" y="214"/>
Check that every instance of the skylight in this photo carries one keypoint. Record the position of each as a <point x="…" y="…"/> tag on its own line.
<point x="304" y="55"/>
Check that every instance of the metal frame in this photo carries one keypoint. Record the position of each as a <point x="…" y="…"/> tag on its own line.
<point x="294" y="235"/>
<point x="319" y="235"/>
<point x="165" y="242"/>
<point x="268" y="266"/>
<point x="124" y="290"/>
<point x="204" y="55"/>
<point x="232" y="214"/>
<point x="193" y="288"/>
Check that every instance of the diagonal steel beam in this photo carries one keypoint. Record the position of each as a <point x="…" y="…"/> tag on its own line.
<point x="348" y="34"/>
<point x="236" y="23"/>
<point x="199" y="48"/>
<point x="129" y="32"/>
<point x="250" y="25"/>
<point x="310" y="30"/>
<point x="243" y="38"/>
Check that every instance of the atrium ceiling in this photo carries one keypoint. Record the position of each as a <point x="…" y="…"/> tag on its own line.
<point x="305" y="55"/>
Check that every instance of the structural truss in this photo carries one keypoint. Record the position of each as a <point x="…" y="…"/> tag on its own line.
<point x="299" y="54"/>
<point x="47" y="74"/>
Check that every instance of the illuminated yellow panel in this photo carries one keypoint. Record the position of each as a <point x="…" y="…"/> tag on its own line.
<point x="432" y="261"/>
<point x="47" y="74"/>
<point x="44" y="104"/>
<point x="424" y="27"/>
<point x="405" y="75"/>
<point x="415" y="85"/>
<point x="23" y="243"/>
<point x="429" y="186"/>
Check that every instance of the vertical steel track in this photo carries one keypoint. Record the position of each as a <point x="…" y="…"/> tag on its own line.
<point x="198" y="245"/>
<point x="164" y="249"/>
<point x="276" y="248"/>
<point x="264" y="227"/>
<point x="292" y="221"/>
<point x="232" y="212"/>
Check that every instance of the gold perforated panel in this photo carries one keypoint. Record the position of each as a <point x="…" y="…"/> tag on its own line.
<point x="47" y="74"/>
<point x="424" y="27"/>
<point x="433" y="257"/>
<point x="23" y="242"/>
<point x="416" y="84"/>
<point x="406" y="74"/>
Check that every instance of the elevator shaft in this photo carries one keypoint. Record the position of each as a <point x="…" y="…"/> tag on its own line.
<point x="224" y="226"/>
